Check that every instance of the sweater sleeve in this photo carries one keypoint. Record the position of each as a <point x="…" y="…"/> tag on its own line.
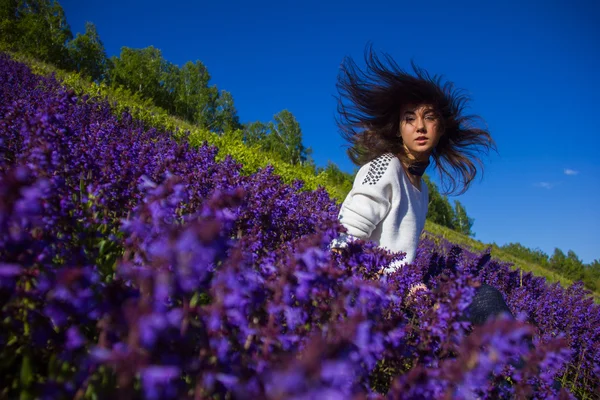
<point x="370" y="198"/>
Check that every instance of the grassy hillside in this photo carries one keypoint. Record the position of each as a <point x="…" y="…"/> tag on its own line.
<point x="254" y="158"/>
<point x="435" y="230"/>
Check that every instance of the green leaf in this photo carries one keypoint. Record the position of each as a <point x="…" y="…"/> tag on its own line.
<point x="26" y="371"/>
<point x="195" y="299"/>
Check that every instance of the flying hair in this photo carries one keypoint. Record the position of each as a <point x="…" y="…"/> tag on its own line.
<point x="369" y="107"/>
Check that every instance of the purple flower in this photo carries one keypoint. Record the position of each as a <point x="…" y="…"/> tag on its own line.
<point x="339" y="373"/>
<point x="74" y="339"/>
<point x="8" y="275"/>
<point x="159" y="382"/>
<point x="207" y="279"/>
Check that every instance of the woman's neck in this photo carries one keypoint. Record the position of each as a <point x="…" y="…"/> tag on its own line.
<point x="414" y="168"/>
<point x="415" y="180"/>
<point x="414" y="165"/>
<point x="413" y="158"/>
<point x="417" y="168"/>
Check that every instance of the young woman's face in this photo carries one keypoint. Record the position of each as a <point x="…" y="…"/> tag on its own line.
<point x="420" y="130"/>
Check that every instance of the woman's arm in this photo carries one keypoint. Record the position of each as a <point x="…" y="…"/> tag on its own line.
<point x="369" y="200"/>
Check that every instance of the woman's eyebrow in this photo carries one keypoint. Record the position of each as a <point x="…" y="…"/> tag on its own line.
<point x="424" y="112"/>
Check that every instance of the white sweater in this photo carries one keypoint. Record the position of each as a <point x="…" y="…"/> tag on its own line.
<point x="385" y="207"/>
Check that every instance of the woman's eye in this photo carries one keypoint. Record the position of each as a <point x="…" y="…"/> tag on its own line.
<point x="430" y="117"/>
<point x="409" y="119"/>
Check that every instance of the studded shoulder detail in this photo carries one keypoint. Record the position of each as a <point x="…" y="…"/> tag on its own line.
<point x="377" y="168"/>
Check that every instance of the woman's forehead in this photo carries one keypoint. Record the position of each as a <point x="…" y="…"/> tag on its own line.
<point x="417" y="109"/>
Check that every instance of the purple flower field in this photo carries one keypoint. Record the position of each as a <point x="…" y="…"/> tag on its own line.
<point x="136" y="267"/>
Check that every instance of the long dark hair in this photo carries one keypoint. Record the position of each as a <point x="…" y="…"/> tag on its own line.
<point x="369" y="106"/>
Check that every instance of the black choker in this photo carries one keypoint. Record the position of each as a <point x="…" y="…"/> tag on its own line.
<point x="418" y="168"/>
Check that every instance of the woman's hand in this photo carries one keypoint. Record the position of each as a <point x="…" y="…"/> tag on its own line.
<point x="412" y="292"/>
<point x="414" y="288"/>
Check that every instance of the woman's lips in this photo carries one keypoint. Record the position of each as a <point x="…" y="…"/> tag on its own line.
<point x="421" y="140"/>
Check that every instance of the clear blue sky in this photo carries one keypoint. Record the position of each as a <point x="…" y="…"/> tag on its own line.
<point x="531" y="69"/>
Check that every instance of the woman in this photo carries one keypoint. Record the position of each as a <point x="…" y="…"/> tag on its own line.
<point x="396" y="124"/>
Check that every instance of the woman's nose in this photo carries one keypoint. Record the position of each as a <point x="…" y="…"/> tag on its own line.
<point x="421" y="125"/>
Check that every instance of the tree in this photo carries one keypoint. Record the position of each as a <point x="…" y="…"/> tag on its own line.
<point x="9" y="22"/>
<point x="170" y="75"/>
<point x="193" y="97"/>
<point x="592" y="275"/>
<point x="139" y="70"/>
<point x="573" y="266"/>
<point x="594" y="267"/>
<point x="334" y="174"/>
<point x="536" y="256"/>
<point x="462" y="223"/>
<point x="282" y="136"/>
<point x="38" y="28"/>
<point x="181" y="91"/>
<point x="337" y="177"/>
<point x="255" y="133"/>
<point x="226" y="118"/>
<point x="285" y="138"/>
<point x="201" y="104"/>
<point x="439" y="211"/>
<point x="88" y="55"/>
<point x="558" y="260"/>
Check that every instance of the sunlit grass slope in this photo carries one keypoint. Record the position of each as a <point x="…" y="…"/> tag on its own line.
<point x="436" y="230"/>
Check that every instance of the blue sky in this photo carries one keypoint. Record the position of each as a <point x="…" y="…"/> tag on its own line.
<point x="531" y="69"/>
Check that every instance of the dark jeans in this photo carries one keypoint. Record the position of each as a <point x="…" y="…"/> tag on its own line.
<point x="487" y="302"/>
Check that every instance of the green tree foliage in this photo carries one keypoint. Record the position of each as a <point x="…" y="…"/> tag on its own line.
<point x="594" y="267"/>
<point x="591" y="276"/>
<point x="334" y="174"/>
<point x="9" y="22"/>
<point x="574" y="266"/>
<point x="255" y="133"/>
<point x="567" y="265"/>
<point x="39" y="28"/>
<point x="142" y="71"/>
<point x="535" y="256"/>
<point x="226" y="118"/>
<point x="462" y="223"/>
<point x="282" y="136"/>
<point x="440" y="211"/>
<point x="196" y="101"/>
<point x="286" y="138"/>
<point x="87" y="54"/>
<point x="193" y="95"/>
<point x="184" y="91"/>
<point x="336" y="177"/>
<point x="557" y="260"/>
<point x="36" y="27"/>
